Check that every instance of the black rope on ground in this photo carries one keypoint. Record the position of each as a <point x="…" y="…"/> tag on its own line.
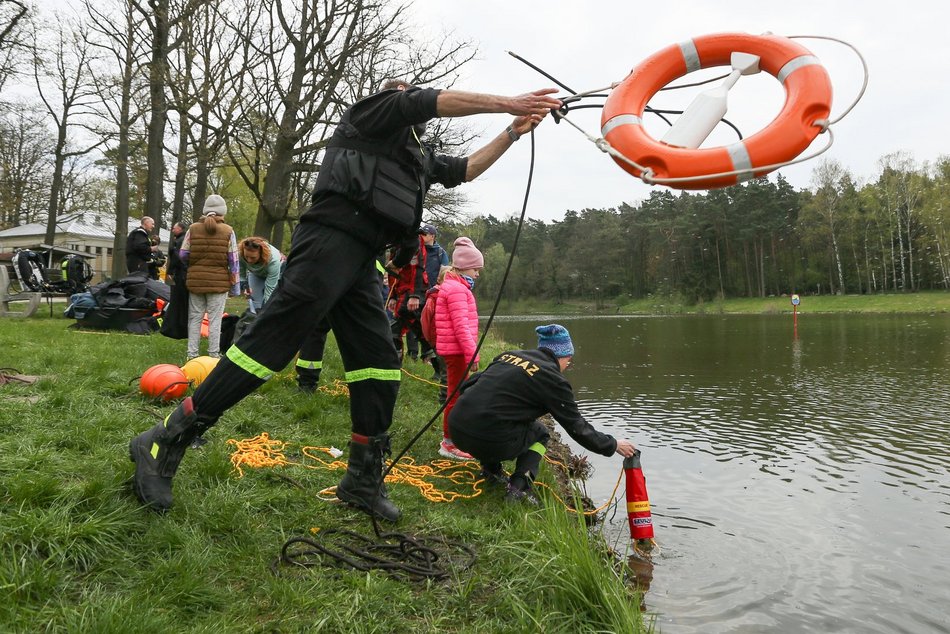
<point x="396" y="554"/>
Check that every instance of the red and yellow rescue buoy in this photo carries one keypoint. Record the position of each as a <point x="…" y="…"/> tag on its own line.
<point x="638" y="502"/>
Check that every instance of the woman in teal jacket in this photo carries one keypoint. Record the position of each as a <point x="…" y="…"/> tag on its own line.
<point x="261" y="266"/>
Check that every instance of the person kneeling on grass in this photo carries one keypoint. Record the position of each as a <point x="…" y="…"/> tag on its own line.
<point x="496" y="416"/>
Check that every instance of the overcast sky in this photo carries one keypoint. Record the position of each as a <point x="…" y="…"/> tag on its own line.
<point x="589" y="45"/>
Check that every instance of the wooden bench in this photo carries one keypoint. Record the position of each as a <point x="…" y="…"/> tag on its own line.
<point x="14" y="302"/>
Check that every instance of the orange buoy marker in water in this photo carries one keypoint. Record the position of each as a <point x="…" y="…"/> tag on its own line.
<point x="638" y="502"/>
<point x="164" y="381"/>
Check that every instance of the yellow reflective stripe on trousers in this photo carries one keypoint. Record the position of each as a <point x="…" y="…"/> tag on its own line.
<point x="538" y="448"/>
<point x="248" y="364"/>
<point x="309" y="365"/>
<point x="372" y="373"/>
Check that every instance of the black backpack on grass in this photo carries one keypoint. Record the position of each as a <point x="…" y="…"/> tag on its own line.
<point x="76" y="273"/>
<point x="29" y="270"/>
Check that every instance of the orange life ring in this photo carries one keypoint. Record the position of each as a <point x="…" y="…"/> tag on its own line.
<point x="807" y="102"/>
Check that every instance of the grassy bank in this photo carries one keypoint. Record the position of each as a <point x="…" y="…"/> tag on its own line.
<point x="79" y="554"/>
<point x="925" y="302"/>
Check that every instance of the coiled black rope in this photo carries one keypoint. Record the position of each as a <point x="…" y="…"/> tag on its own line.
<point x="396" y="554"/>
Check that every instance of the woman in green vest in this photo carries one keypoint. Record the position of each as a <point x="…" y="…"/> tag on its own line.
<point x="261" y="266"/>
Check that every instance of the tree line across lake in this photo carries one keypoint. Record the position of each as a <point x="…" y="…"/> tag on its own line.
<point x="755" y="239"/>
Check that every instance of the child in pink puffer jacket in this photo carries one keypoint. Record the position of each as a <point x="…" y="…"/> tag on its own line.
<point x="456" y="325"/>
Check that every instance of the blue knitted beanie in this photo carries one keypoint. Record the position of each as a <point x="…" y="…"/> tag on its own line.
<point x="555" y="338"/>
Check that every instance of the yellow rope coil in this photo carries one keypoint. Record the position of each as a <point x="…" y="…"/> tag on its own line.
<point x="262" y="451"/>
<point x="338" y="388"/>
<point x="419" y="378"/>
<point x="258" y="452"/>
<point x="610" y="500"/>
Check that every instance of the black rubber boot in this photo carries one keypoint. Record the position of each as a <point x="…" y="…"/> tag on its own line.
<point x="158" y="452"/>
<point x="493" y="475"/>
<point x="520" y="490"/>
<point x="308" y="379"/>
<point x="363" y="486"/>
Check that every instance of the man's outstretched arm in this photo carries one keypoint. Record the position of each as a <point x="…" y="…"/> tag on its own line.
<point x="485" y="157"/>
<point x="457" y="103"/>
<point x="529" y="109"/>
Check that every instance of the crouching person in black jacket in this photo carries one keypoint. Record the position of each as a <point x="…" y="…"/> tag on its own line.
<point x="496" y="416"/>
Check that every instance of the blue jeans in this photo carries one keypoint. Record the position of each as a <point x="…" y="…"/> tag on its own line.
<point x="256" y="285"/>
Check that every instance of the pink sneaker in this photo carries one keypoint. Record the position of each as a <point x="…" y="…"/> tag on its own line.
<point x="449" y="450"/>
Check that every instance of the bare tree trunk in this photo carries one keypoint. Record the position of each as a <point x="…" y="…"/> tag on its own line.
<point x="276" y="195"/>
<point x="181" y="170"/>
<point x="121" y="193"/>
<point x="857" y="267"/>
<point x="834" y="244"/>
<point x="183" y="105"/>
<point x="202" y="172"/>
<point x="119" y="37"/>
<point x="55" y="186"/>
<point x="748" y="272"/>
<point x="944" y="272"/>
<point x="900" y="253"/>
<point x="880" y="237"/>
<point x="158" y="106"/>
<point x="722" y="292"/>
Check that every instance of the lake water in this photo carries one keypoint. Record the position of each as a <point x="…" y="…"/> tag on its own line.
<point x="797" y="484"/>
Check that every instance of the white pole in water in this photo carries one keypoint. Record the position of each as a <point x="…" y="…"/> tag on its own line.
<point x="697" y="122"/>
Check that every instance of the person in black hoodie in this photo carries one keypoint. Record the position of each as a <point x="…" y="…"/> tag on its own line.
<point x="175" y="320"/>
<point x="139" y="248"/>
<point x="496" y="416"/>
<point x="175" y="269"/>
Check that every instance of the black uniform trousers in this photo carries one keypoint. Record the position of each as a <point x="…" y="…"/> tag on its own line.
<point x="518" y="440"/>
<point x="310" y="360"/>
<point x="329" y="274"/>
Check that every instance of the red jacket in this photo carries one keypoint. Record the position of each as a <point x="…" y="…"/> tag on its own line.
<point x="411" y="280"/>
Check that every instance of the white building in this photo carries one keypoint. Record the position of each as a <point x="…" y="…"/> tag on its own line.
<point x="75" y="235"/>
